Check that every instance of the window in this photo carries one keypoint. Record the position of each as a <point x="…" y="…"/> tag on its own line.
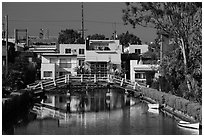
<point x="47" y="73"/>
<point x="81" y="51"/>
<point x="53" y="43"/>
<point x="65" y="63"/>
<point x="138" y="51"/>
<point x="68" y="50"/>
<point x="140" y="76"/>
<point x="62" y="73"/>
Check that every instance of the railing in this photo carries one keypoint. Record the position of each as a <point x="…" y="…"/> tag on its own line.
<point x="62" y="80"/>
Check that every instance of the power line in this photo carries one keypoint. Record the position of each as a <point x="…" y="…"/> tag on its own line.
<point x="94" y="21"/>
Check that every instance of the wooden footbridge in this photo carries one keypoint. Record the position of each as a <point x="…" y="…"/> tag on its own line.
<point x="85" y="80"/>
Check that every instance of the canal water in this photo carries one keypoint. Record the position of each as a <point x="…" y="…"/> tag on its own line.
<point x="102" y="112"/>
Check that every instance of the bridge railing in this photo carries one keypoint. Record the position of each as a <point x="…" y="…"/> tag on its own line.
<point x="65" y="79"/>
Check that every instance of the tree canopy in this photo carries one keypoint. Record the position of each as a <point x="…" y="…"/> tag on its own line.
<point x="128" y="38"/>
<point x="70" y="36"/>
<point x="97" y="37"/>
<point x="182" y="21"/>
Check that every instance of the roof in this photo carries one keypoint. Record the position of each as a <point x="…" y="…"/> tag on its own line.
<point x="58" y="54"/>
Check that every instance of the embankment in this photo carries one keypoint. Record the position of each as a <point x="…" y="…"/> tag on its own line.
<point x="176" y="105"/>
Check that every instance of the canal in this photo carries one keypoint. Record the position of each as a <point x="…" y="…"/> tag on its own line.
<point x="101" y="112"/>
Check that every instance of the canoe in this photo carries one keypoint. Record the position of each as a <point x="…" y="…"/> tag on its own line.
<point x="153" y="106"/>
<point x="188" y="125"/>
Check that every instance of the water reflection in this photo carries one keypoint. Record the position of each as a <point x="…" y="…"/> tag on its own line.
<point x="98" y="113"/>
<point x="93" y="101"/>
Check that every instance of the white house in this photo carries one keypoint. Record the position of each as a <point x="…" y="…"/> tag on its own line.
<point x="138" y="49"/>
<point x="75" y="49"/>
<point x="101" y="53"/>
<point x="57" y="64"/>
<point x="142" y="72"/>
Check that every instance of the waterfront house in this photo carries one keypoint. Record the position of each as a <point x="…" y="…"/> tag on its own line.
<point x="103" y="56"/>
<point x="76" y="49"/>
<point x="57" y="64"/>
<point x="142" y="73"/>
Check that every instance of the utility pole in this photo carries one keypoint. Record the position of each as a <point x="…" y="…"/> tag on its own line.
<point x="6" y="45"/>
<point x="161" y="50"/>
<point x="82" y="20"/>
<point x="114" y="30"/>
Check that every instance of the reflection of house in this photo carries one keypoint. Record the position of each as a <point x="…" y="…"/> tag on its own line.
<point x="57" y="64"/>
<point x="77" y="49"/>
<point x="142" y="72"/>
<point x="101" y="53"/>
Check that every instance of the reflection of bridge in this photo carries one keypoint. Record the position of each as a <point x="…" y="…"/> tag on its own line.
<point x="65" y="80"/>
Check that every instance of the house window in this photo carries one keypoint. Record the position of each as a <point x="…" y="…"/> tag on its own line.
<point x="81" y="51"/>
<point x="62" y="73"/>
<point x="68" y="51"/>
<point x="138" y="51"/>
<point x="140" y="76"/>
<point x="137" y="75"/>
<point x="65" y="63"/>
<point x="47" y="73"/>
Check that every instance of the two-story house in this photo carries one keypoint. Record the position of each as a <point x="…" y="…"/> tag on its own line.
<point x="101" y="54"/>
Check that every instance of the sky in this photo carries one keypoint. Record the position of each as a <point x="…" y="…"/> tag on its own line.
<point x="99" y="17"/>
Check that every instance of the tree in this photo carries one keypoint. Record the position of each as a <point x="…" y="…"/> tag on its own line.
<point x="128" y="38"/>
<point x="182" y="22"/>
<point x="97" y="37"/>
<point x="70" y="36"/>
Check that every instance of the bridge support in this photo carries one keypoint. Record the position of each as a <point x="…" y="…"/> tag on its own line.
<point x="121" y="83"/>
<point x="41" y="85"/>
<point x="95" y="78"/>
<point x="81" y="78"/>
<point x="54" y="82"/>
<point x="65" y="79"/>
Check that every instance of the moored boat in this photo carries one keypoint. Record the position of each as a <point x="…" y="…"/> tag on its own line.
<point x="188" y="125"/>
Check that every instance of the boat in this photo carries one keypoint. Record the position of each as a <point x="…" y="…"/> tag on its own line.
<point x="153" y="106"/>
<point x="188" y="124"/>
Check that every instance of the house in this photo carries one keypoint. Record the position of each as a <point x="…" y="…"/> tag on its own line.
<point x="137" y="49"/>
<point x="57" y="64"/>
<point x="40" y="46"/>
<point x="132" y="52"/>
<point x="142" y="73"/>
<point x="76" y="49"/>
<point x="103" y="56"/>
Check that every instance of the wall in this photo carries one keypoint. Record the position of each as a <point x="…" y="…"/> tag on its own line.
<point x="144" y="48"/>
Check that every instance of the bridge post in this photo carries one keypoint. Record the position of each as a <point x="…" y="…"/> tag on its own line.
<point x="125" y="77"/>
<point x="68" y="78"/>
<point x="134" y="86"/>
<point x="54" y="82"/>
<point x="65" y="79"/>
<point x="81" y="78"/>
<point x="95" y="78"/>
<point x="121" y="83"/>
<point x="41" y="85"/>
